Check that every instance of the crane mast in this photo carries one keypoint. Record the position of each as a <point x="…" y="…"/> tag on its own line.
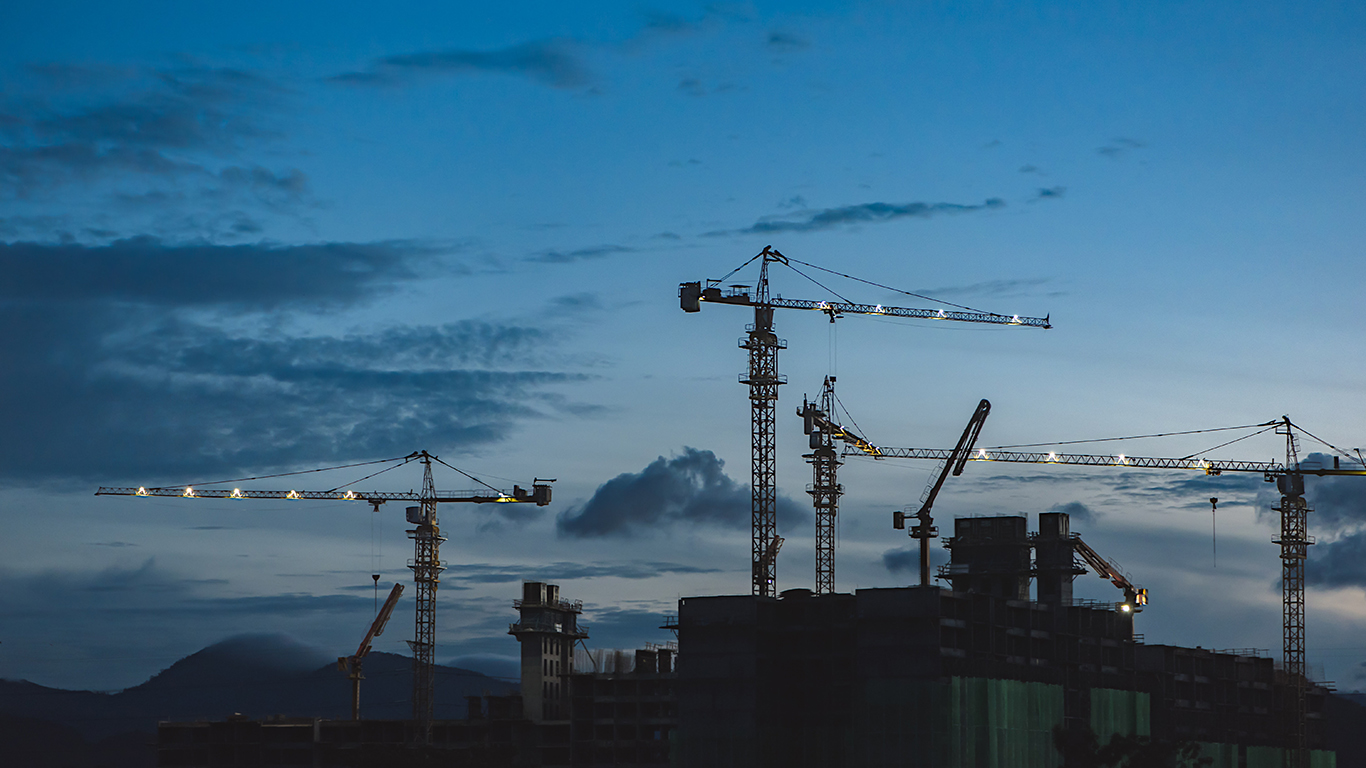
<point x="427" y="568"/>
<point x="763" y="381"/>
<point x="1293" y="537"/>
<point x="825" y="489"/>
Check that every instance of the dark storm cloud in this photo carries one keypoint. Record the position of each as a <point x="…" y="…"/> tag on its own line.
<point x="149" y="270"/>
<point x="580" y="254"/>
<point x="126" y="365"/>
<point x="550" y="62"/>
<point x="689" y="489"/>
<point x="1339" y="563"/>
<point x="1076" y="510"/>
<point x="1339" y="520"/>
<point x="96" y="396"/>
<point x="865" y="213"/>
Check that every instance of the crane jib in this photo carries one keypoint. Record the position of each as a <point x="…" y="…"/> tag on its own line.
<point x="539" y="496"/>
<point x="1209" y="466"/>
<point x="692" y="294"/>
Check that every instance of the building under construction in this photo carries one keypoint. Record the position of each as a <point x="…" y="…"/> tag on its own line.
<point x="978" y="674"/>
<point x="975" y="675"/>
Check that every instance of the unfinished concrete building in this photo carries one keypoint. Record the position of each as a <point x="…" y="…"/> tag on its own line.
<point x="976" y="675"/>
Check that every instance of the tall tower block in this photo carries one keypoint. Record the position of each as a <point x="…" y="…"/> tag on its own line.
<point x="547" y="628"/>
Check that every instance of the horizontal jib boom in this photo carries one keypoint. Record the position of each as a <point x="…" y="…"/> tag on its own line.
<point x="237" y="493"/>
<point x="925" y="314"/>
<point x="1210" y="466"/>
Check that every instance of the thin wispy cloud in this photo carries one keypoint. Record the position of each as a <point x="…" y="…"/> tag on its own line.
<point x="864" y="213"/>
<point x="579" y="254"/>
<point x="1119" y="147"/>
<point x="553" y="62"/>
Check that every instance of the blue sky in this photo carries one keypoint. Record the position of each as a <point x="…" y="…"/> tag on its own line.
<point x="240" y="239"/>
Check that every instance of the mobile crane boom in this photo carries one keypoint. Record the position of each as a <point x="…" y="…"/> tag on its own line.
<point x="925" y="530"/>
<point x="351" y="665"/>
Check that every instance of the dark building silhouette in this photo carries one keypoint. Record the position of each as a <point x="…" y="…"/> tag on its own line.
<point x="973" y="675"/>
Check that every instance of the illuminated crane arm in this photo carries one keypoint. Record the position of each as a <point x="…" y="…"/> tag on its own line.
<point x="816" y="419"/>
<point x="692" y="294"/>
<point x="539" y="495"/>
<point x="1208" y="466"/>
<point x="1134" y="597"/>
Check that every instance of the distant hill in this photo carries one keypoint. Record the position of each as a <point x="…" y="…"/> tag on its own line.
<point x="254" y="675"/>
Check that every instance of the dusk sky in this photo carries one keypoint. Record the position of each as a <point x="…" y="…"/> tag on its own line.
<point x="239" y="239"/>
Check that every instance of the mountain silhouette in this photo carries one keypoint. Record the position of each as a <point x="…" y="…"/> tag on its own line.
<point x="252" y="675"/>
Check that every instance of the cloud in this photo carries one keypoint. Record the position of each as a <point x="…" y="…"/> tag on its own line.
<point x="865" y="213"/>
<point x="159" y="123"/>
<point x="1030" y="169"/>
<point x="1338" y="563"/>
<point x="152" y="149"/>
<point x="1076" y="510"/>
<point x="997" y="288"/>
<point x="692" y="86"/>
<point x="1048" y="193"/>
<point x="107" y="614"/>
<point x="121" y="374"/>
<point x="484" y="573"/>
<point x="581" y="254"/>
<point x="688" y="489"/>
<point x="551" y="62"/>
<point x="625" y="628"/>
<point x="1119" y="147"/>
<point x="1338" y="519"/>
<point x="907" y="559"/>
<point x="785" y="42"/>
<point x="148" y="270"/>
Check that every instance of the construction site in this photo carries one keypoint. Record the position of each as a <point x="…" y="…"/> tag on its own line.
<point x="987" y="660"/>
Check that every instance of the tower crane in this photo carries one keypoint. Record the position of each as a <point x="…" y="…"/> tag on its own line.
<point x="426" y="535"/>
<point x="825" y="489"/>
<point x="351" y="665"/>
<point x="1293" y="538"/>
<point x="763" y="380"/>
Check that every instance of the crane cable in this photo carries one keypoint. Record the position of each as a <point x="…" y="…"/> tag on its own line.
<point x="373" y="474"/>
<point x="466" y="474"/>
<point x="1132" y="437"/>
<point x="856" y="279"/>
<point x="887" y="288"/>
<point x="1330" y="445"/>
<point x="404" y="459"/>
<point x="1231" y="442"/>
